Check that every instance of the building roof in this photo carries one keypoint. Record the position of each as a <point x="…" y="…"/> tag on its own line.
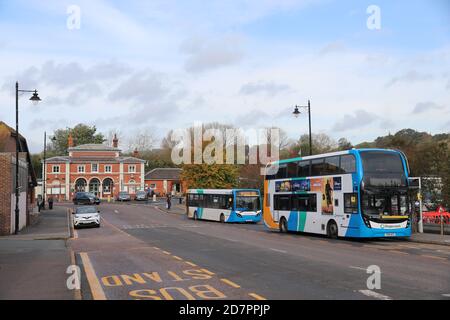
<point x="93" y="147"/>
<point x="131" y="160"/>
<point x="163" y="174"/>
<point x="59" y="159"/>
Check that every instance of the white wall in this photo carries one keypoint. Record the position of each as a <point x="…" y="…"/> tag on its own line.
<point x="22" y="213"/>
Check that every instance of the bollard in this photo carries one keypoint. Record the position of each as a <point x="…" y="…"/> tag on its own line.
<point x="154" y="198"/>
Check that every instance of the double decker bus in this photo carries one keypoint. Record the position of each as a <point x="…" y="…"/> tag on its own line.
<point x="224" y="205"/>
<point x="361" y="193"/>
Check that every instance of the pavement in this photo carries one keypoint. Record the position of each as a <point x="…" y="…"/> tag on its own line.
<point x="33" y="264"/>
<point x="430" y="238"/>
<point x="142" y="252"/>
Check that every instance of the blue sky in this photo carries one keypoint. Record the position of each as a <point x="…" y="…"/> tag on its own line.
<point x="162" y="65"/>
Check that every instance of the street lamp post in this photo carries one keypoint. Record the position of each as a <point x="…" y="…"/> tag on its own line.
<point x="297" y="114"/>
<point x="44" y="178"/>
<point x="35" y="99"/>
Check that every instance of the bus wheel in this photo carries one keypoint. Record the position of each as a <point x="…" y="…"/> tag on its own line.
<point x="195" y="215"/>
<point x="222" y="218"/>
<point x="332" y="230"/>
<point x="283" y="225"/>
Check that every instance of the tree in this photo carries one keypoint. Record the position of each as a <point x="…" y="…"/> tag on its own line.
<point x="37" y="165"/>
<point x="142" y="140"/>
<point x="213" y="176"/>
<point x="344" y="144"/>
<point x="322" y="143"/>
<point x="81" y="134"/>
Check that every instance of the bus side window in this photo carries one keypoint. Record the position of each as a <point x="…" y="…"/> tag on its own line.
<point x="348" y="163"/>
<point x="350" y="203"/>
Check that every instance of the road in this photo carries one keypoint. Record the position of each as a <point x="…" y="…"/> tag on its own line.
<point x="141" y="252"/>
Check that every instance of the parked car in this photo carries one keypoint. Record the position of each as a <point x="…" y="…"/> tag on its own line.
<point x="86" y="216"/>
<point x="123" y="196"/>
<point x="96" y="199"/>
<point x="85" y="198"/>
<point x="141" y="196"/>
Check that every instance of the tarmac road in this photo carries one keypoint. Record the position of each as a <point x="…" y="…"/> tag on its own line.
<point x="141" y="252"/>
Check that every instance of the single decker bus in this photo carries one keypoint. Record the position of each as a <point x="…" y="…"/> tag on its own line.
<point x="224" y="205"/>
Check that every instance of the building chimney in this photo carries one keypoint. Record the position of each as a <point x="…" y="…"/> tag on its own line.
<point x="136" y="153"/>
<point x="115" y="141"/>
<point x="70" y="140"/>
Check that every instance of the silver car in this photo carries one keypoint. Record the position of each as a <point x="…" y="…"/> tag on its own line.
<point x="123" y="196"/>
<point x="141" y="196"/>
<point x="86" y="216"/>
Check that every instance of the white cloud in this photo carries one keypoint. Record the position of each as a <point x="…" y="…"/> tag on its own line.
<point x="426" y="106"/>
<point x="269" y="88"/>
<point x="203" y="54"/>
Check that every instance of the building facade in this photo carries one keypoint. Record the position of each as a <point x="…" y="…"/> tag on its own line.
<point x="164" y="180"/>
<point x="95" y="168"/>
<point x="26" y="182"/>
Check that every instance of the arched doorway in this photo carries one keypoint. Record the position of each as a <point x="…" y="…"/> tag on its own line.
<point x="80" y="185"/>
<point x="108" y="187"/>
<point x="94" y="187"/>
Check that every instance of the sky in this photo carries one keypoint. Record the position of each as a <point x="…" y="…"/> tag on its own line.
<point x="134" y="66"/>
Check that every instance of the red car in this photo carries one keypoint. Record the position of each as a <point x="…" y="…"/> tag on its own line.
<point x="435" y="216"/>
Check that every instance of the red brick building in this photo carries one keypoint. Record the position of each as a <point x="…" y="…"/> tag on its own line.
<point x="164" y="180"/>
<point x="95" y="168"/>
<point x="27" y="181"/>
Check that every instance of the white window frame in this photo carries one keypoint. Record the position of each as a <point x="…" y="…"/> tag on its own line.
<point x="106" y="168"/>
<point x="56" y="171"/>
<point x="92" y="167"/>
<point x="81" y="166"/>
<point x="132" y="166"/>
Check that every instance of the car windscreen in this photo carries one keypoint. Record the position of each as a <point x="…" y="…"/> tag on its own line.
<point x="81" y="210"/>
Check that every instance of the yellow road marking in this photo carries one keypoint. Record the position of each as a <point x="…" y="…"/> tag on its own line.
<point x="256" y="296"/>
<point x="156" y="248"/>
<point x="230" y="283"/>
<point x="94" y="284"/>
<point x="165" y="252"/>
<point x="191" y="264"/>
<point x="434" y="257"/>
<point x="178" y="258"/>
<point x="207" y="271"/>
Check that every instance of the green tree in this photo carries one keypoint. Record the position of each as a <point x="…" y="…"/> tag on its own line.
<point x="37" y="165"/>
<point x="81" y="134"/>
<point x="213" y="176"/>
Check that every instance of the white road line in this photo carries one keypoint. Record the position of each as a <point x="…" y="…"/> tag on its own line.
<point x="373" y="294"/>
<point x="447" y="295"/>
<point x="116" y="211"/>
<point x="278" y="250"/>
<point x="358" y="268"/>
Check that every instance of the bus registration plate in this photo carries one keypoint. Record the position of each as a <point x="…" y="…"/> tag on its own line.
<point x="390" y="234"/>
